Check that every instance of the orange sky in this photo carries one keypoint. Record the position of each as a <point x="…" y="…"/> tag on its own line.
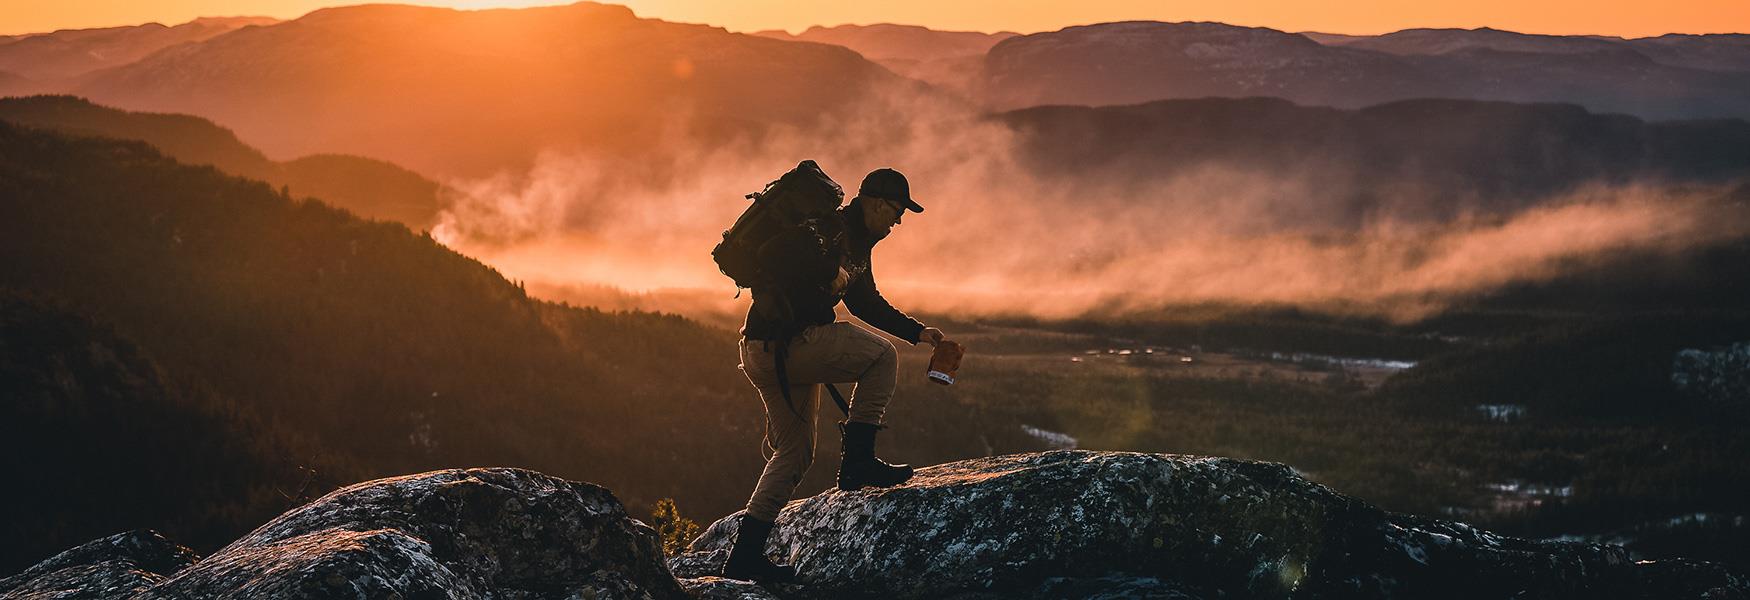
<point x="1624" y="18"/>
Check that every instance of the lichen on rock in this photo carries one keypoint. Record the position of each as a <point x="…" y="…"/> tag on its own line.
<point x="1189" y="527"/>
<point x="1062" y="524"/>
<point x="445" y="534"/>
<point x="118" y="566"/>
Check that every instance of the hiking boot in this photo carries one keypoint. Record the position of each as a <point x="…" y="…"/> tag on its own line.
<point x="747" y="559"/>
<point x="858" y="466"/>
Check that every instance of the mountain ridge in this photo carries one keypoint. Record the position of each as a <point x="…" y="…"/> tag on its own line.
<point x="69" y="53"/>
<point x="1122" y="63"/>
<point x="494" y="87"/>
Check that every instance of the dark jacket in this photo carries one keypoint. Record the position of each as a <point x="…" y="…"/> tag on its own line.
<point x="806" y="289"/>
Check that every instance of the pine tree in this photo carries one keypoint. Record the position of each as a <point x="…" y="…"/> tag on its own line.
<point x="674" y="530"/>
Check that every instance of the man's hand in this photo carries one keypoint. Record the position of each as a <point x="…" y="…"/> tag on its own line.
<point x="931" y="336"/>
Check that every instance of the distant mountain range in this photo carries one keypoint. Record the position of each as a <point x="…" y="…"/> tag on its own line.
<point x="68" y="53"/>
<point x="485" y="92"/>
<point x="940" y="58"/>
<point x="367" y="187"/>
<point x="475" y="93"/>
<point x="1131" y="62"/>
<point x="472" y="92"/>
<point x="1716" y="52"/>
<point x="1671" y="76"/>
<point x="886" y="41"/>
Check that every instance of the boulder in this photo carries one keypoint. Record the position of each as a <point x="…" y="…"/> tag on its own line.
<point x="1063" y="524"/>
<point x="456" y="533"/>
<point x="118" y="566"/>
<point x="1094" y="524"/>
<point x="702" y="563"/>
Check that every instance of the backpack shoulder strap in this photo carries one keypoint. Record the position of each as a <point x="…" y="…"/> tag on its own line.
<point x="839" y="400"/>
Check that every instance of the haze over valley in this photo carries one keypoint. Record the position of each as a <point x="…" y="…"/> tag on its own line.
<point x="1457" y="273"/>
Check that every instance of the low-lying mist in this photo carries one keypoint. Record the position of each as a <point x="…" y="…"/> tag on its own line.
<point x="999" y="238"/>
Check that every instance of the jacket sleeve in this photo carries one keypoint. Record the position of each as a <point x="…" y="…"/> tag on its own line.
<point x="866" y="303"/>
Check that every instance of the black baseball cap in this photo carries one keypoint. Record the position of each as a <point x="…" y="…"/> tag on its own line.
<point x="889" y="184"/>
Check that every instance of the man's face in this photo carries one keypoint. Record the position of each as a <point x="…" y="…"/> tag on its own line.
<point x="880" y="215"/>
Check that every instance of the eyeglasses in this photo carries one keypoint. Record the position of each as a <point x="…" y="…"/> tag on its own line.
<point x="893" y="205"/>
<point x="898" y="209"/>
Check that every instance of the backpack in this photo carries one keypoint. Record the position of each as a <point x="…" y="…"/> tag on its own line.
<point x="793" y="203"/>
<point x="789" y="220"/>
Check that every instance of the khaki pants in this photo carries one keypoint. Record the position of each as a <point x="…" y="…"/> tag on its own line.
<point x="836" y="353"/>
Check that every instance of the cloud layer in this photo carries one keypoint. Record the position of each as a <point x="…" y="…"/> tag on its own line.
<point x="998" y="239"/>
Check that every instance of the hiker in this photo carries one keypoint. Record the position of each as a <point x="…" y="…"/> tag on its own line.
<point x="814" y="350"/>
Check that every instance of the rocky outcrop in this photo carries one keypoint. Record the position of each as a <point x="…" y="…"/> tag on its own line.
<point x="475" y="533"/>
<point x="117" y="566"/>
<point x="1063" y="524"/>
<point x="454" y="534"/>
<point x="1106" y="524"/>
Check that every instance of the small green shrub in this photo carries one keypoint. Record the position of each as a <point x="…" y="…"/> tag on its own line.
<point x="674" y="530"/>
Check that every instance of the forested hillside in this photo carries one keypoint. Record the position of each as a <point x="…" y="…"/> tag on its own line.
<point x="386" y="351"/>
<point x="93" y="417"/>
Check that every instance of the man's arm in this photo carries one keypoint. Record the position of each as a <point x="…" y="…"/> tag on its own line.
<point x="866" y="303"/>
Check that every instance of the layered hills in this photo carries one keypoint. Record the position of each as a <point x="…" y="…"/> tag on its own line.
<point x="1720" y="52"/>
<point x="367" y="187"/>
<point x="1713" y="52"/>
<point x="1125" y="63"/>
<point x="887" y="41"/>
<point x="281" y="347"/>
<point x="380" y="348"/>
<point x="940" y="58"/>
<point x="11" y="83"/>
<point x="445" y="91"/>
<point x="478" y="93"/>
<point x="69" y="53"/>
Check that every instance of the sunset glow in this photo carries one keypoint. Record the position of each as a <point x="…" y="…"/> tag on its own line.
<point x="543" y="298"/>
<point x="1565" y="17"/>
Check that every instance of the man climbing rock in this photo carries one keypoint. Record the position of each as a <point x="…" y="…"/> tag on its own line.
<point x="791" y="336"/>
